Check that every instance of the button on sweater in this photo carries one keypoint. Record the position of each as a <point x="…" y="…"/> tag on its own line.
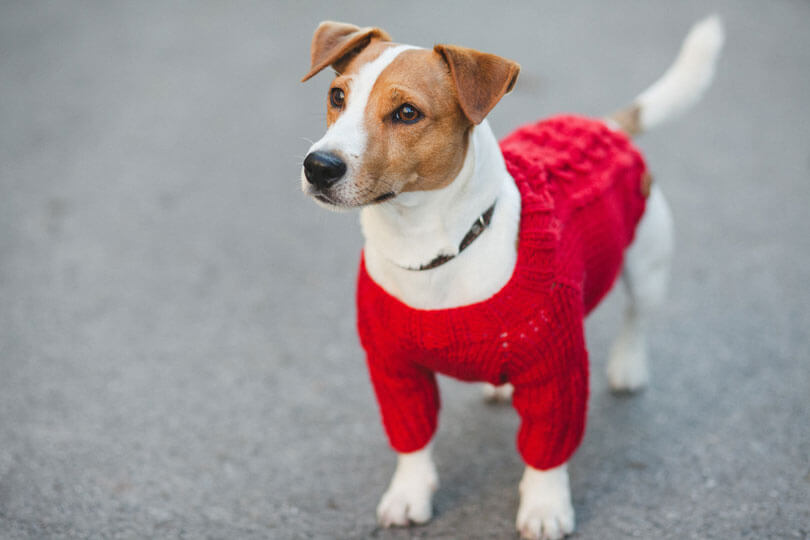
<point x="582" y="197"/>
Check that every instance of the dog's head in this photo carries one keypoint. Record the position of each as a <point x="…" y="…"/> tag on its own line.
<point x="398" y="117"/>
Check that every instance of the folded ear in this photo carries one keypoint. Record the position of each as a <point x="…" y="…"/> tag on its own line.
<point x="336" y="43"/>
<point x="481" y="79"/>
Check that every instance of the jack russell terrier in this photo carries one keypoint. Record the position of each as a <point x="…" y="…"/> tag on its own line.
<point x="481" y="260"/>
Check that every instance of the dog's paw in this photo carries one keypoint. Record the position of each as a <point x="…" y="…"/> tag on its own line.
<point x="627" y="367"/>
<point x="497" y="394"/>
<point x="545" y="511"/>
<point x="409" y="497"/>
<point x="545" y="521"/>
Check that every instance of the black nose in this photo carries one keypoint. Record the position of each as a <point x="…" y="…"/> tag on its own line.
<point x="323" y="169"/>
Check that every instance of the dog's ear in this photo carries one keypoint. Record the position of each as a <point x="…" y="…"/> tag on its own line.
<point x="336" y="43"/>
<point x="481" y="79"/>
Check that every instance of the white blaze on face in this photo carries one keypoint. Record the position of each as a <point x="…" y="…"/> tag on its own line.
<point x="347" y="136"/>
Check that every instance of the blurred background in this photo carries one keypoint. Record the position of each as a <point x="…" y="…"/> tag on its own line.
<point x="177" y="348"/>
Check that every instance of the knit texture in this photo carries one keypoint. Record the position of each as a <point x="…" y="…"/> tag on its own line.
<point x="580" y="186"/>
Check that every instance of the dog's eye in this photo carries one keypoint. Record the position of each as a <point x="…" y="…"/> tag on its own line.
<point x="407" y="114"/>
<point x="337" y="97"/>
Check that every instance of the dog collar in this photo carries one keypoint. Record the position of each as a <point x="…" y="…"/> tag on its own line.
<point x="479" y="226"/>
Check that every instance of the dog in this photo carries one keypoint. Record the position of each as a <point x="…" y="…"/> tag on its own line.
<point x="481" y="261"/>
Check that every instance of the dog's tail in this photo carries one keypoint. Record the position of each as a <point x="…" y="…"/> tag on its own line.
<point x="683" y="83"/>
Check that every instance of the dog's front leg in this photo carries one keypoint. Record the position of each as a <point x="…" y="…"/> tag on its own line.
<point x="409" y="496"/>
<point x="409" y="402"/>
<point x="545" y="510"/>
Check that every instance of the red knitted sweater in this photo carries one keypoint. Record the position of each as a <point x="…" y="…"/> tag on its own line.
<point x="580" y="185"/>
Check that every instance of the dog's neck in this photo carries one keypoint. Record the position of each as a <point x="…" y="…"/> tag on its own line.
<point x="416" y="227"/>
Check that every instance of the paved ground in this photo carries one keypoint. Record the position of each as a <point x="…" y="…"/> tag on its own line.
<point x="177" y="353"/>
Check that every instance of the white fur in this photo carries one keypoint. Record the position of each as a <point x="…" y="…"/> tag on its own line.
<point x="415" y="227"/>
<point x="684" y="82"/>
<point x="645" y="275"/>
<point x="409" y="496"/>
<point x="545" y="510"/>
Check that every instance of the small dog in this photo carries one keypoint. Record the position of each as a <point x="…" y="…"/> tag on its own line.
<point x="481" y="261"/>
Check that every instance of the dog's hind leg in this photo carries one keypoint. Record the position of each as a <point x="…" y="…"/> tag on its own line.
<point x="645" y="275"/>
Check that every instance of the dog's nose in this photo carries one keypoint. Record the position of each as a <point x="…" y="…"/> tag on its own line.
<point x="323" y="169"/>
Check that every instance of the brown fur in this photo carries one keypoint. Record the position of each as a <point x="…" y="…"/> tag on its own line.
<point x="629" y="120"/>
<point x="335" y="43"/>
<point x="646" y="184"/>
<point x="430" y="153"/>
<point x="481" y="79"/>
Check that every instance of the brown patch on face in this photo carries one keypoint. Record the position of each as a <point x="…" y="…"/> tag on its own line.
<point x="429" y="153"/>
<point x="425" y="155"/>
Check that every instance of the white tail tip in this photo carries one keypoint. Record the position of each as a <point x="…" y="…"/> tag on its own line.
<point x="687" y="78"/>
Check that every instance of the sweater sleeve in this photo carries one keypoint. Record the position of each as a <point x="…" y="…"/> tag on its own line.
<point x="409" y="402"/>
<point x="406" y="392"/>
<point x="551" y="396"/>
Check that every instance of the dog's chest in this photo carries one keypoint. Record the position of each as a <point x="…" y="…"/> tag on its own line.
<point x="475" y="275"/>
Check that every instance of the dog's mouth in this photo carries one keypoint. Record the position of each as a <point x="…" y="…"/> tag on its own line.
<point x="384" y="197"/>
<point x="322" y="196"/>
<point x="324" y="199"/>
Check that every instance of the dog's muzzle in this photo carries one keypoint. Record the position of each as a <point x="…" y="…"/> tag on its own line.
<point x="323" y="170"/>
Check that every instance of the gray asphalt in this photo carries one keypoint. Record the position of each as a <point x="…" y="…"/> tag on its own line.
<point x="177" y="347"/>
